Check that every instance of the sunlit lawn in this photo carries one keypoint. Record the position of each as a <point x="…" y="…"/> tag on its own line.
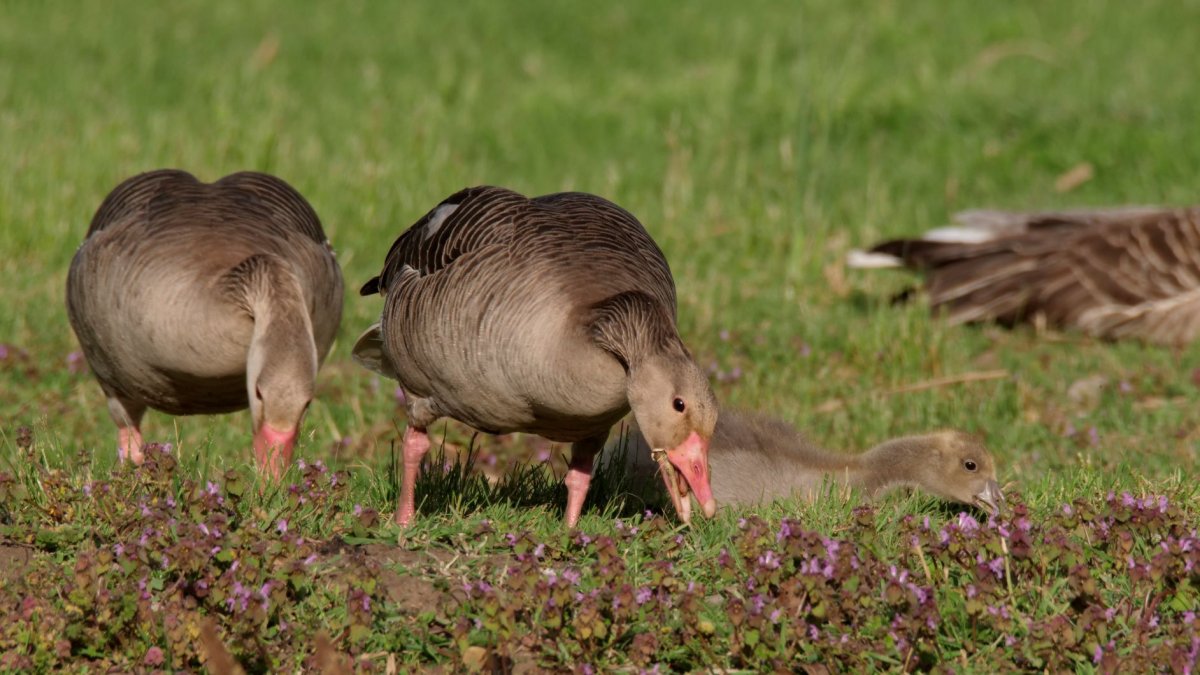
<point x="758" y="143"/>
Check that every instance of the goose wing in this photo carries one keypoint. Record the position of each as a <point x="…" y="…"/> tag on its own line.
<point x="464" y="222"/>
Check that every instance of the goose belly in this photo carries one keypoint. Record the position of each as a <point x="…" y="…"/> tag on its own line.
<point x="501" y="370"/>
<point x="176" y="351"/>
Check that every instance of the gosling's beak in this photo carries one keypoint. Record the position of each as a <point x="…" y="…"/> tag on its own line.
<point x="685" y="468"/>
<point x="991" y="497"/>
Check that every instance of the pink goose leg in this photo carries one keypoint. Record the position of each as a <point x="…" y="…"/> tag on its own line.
<point x="129" y="445"/>
<point x="416" y="444"/>
<point x="579" y="476"/>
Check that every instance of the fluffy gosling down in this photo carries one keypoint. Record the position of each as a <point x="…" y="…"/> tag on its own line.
<point x="755" y="459"/>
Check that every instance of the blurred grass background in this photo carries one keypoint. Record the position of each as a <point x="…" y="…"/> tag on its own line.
<point x="758" y="143"/>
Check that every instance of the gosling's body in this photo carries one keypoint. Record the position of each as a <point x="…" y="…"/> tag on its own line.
<point x="756" y="459"/>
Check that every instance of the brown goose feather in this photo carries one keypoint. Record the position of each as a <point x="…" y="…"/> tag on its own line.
<point x="533" y="315"/>
<point x="1129" y="272"/>
<point x="181" y="286"/>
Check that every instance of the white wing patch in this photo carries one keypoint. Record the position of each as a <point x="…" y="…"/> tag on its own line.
<point x="439" y="216"/>
<point x="865" y="260"/>
<point x="958" y="235"/>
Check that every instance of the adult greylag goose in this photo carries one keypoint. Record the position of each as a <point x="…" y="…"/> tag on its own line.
<point x="1126" y="272"/>
<point x="756" y="459"/>
<point x="554" y="316"/>
<point x="197" y="298"/>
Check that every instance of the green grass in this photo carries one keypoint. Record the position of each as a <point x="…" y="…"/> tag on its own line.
<point x="758" y="143"/>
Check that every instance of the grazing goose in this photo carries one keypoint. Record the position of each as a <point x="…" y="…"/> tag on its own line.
<point x="1127" y="272"/>
<point x="554" y="316"/>
<point x="756" y="459"/>
<point x="191" y="298"/>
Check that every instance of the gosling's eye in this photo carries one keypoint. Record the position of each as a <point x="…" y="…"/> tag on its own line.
<point x="679" y="405"/>
<point x="970" y="465"/>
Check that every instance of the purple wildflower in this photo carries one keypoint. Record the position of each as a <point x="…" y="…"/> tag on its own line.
<point x="785" y="530"/>
<point x="757" y="603"/>
<point x="154" y="657"/>
<point x="997" y="567"/>
<point x="643" y="595"/>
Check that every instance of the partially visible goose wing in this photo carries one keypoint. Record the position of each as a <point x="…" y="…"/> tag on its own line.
<point x="464" y="222"/>
<point x="998" y="223"/>
<point x="1113" y="274"/>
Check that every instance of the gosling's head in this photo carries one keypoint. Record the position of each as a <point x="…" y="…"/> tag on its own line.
<point x="956" y="466"/>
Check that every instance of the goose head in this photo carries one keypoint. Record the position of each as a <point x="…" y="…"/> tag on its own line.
<point x="676" y="413"/>
<point x="956" y="466"/>
<point x="279" y="380"/>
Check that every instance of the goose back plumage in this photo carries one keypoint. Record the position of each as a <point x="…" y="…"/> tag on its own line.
<point x="492" y="301"/>
<point x="1127" y="272"/>
<point x="162" y="292"/>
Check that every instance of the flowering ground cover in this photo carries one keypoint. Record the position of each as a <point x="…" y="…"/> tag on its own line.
<point x="758" y="143"/>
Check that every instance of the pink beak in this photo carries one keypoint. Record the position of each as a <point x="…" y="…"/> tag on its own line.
<point x="690" y="459"/>
<point x="273" y="449"/>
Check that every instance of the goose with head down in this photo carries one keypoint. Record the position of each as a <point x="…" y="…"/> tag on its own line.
<point x="199" y="298"/>
<point x="1124" y="272"/>
<point x="554" y="316"/>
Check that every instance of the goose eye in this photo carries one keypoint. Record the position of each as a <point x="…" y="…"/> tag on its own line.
<point x="679" y="405"/>
<point x="257" y="392"/>
<point x="970" y="465"/>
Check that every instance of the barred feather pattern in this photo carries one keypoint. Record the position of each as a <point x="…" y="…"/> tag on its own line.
<point x="1128" y="272"/>
<point x="165" y="198"/>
